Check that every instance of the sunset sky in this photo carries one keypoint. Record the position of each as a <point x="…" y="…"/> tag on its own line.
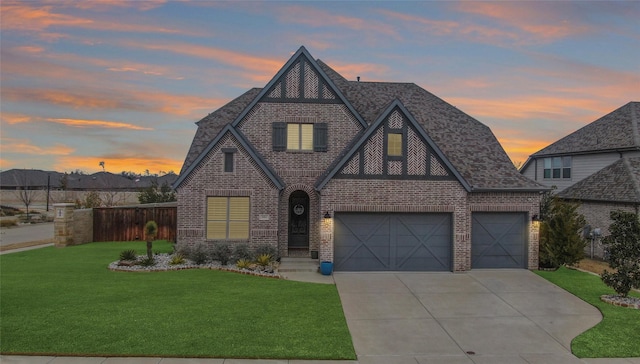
<point x="124" y="81"/>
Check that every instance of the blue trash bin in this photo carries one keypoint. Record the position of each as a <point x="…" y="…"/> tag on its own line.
<point x="326" y="268"/>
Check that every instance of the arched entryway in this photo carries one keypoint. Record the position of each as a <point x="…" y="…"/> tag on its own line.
<point x="298" y="221"/>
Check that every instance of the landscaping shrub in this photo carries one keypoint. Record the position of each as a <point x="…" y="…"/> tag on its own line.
<point x="177" y="258"/>
<point x="222" y="252"/>
<point x="623" y="244"/>
<point x="263" y="260"/>
<point x="266" y="249"/>
<point x="199" y="254"/>
<point x="243" y="264"/>
<point x="560" y="239"/>
<point x="129" y="254"/>
<point x="150" y="231"/>
<point x="241" y="251"/>
<point x="147" y="262"/>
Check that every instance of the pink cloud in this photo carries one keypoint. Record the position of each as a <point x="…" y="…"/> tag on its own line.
<point x="104" y="124"/>
<point x="23" y="146"/>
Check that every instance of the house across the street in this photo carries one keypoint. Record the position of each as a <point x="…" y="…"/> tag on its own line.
<point x="375" y="176"/>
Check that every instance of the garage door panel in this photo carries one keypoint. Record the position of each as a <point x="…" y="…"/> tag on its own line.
<point x="498" y="240"/>
<point x="379" y="241"/>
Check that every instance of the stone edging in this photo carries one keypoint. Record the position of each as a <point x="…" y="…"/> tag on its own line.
<point x="628" y="302"/>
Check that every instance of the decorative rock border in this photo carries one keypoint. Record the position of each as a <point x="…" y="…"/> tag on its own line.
<point x="162" y="265"/>
<point x="629" y="302"/>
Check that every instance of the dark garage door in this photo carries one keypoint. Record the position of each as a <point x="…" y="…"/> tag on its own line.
<point x="498" y="240"/>
<point x="392" y="242"/>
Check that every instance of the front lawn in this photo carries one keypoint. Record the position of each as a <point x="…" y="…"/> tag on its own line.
<point x="616" y="336"/>
<point x="66" y="302"/>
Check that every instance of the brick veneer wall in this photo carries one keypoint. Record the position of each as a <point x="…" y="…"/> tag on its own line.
<point x="598" y="215"/>
<point x="211" y="180"/>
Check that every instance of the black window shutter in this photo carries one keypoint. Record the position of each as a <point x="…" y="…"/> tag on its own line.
<point x="279" y="137"/>
<point x="320" y="137"/>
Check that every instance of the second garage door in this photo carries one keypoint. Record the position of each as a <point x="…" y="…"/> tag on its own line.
<point x="392" y="242"/>
<point x="498" y="240"/>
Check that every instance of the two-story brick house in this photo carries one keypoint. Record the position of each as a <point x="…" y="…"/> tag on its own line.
<point x="373" y="175"/>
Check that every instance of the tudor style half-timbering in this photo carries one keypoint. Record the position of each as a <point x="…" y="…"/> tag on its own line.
<point x="374" y="176"/>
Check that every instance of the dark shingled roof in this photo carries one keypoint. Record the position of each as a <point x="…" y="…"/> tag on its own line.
<point x="468" y="144"/>
<point x="212" y="124"/>
<point x="619" y="182"/>
<point x="37" y="179"/>
<point x="617" y="130"/>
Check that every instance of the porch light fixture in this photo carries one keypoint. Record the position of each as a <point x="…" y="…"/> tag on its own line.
<point x="327" y="215"/>
<point x="535" y="218"/>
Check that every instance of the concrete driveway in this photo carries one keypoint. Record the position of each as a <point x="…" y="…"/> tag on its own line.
<point x="482" y="316"/>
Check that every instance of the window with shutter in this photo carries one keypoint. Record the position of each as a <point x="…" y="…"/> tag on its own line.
<point x="299" y="136"/>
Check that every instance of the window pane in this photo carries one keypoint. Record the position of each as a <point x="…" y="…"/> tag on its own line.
<point x="556" y="173"/>
<point x="217" y="208"/>
<point x="394" y="144"/>
<point x="238" y="229"/>
<point x="547" y="163"/>
<point x="547" y="173"/>
<point x="216" y="230"/>
<point x="557" y="162"/>
<point x="307" y="136"/>
<point x="293" y="136"/>
<point x="228" y="162"/>
<point x="239" y="208"/>
<point x="566" y="173"/>
<point x="566" y="162"/>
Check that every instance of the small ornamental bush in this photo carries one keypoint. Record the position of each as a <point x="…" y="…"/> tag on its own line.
<point x="241" y="251"/>
<point x="222" y="253"/>
<point x="243" y="264"/>
<point x="147" y="262"/>
<point x="128" y="255"/>
<point x="177" y="258"/>
<point x="266" y="250"/>
<point x="623" y="245"/>
<point x="263" y="260"/>
<point x="199" y="254"/>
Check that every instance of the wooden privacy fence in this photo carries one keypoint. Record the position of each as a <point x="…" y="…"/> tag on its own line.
<point x="127" y="223"/>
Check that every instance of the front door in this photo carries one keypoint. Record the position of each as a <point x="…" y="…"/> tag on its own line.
<point x="299" y="220"/>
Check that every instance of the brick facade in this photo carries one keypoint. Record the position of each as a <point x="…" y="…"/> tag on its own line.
<point x="598" y="216"/>
<point x="354" y="172"/>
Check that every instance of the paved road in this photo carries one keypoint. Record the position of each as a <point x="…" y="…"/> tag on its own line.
<point x="26" y="233"/>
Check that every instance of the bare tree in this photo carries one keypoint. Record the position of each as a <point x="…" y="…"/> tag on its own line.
<point x="26" y="194"/>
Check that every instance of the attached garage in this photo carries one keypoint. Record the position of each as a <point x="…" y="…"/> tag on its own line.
<point x="499" y="240"/>
<point x="392" y="242"/>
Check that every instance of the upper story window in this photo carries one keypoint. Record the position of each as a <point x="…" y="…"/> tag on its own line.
<point x="228" y="158"/>
<point x="394" y="145"/>
<point x="557" y="168"/>
<point x="300" y="137"/>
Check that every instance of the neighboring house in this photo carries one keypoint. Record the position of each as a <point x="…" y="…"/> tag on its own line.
<point x="587" y="150"/>
<point x="615" y="187"/>
<point x="373" y="175"/>
<point x="598" y="166"/>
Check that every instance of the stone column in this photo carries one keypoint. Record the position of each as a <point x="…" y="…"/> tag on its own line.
<point x="63" y="224"/>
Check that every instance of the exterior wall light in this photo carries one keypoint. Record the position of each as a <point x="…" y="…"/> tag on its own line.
<point x="327" y="215"/>
<point x="535" y="218"/>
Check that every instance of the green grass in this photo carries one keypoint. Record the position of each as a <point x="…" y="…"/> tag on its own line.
<point x="66" y="302"/>
<point x="617" y="335"/>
